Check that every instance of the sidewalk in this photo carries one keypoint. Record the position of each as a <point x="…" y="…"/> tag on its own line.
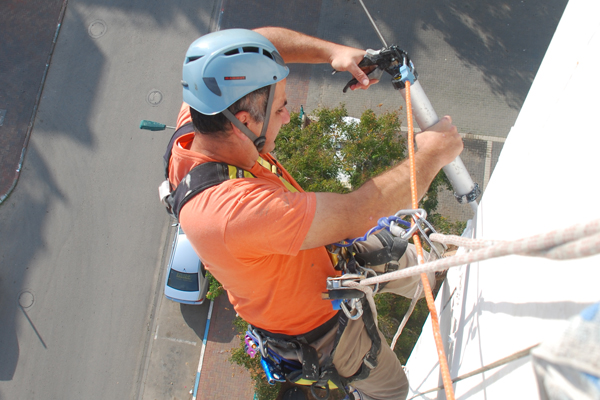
<point x="220" y="378"/>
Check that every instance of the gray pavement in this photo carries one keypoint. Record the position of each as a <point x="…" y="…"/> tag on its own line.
<point x="83" y="240"/>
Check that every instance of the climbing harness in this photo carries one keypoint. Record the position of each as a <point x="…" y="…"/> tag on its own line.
<point x="306" y="371"/>
<point x="202" y="177"/>
<point x="323" y="377"/>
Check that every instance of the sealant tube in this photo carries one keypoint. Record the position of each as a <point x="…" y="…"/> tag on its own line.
<point x="465" y="190"/>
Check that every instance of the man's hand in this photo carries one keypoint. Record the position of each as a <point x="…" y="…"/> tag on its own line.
<point x="347" y="59"/>
<point x="441" y="142"/>
<point x="296" y="47"/>
<point x="386" y="193"/>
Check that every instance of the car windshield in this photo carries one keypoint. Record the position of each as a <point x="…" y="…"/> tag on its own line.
<point x="183" y="281"/>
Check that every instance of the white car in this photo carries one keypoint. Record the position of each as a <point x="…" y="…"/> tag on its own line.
<point x="186" y="277"/>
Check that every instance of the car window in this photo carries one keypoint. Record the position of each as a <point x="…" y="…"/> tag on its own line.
<point x="183" y="281"/>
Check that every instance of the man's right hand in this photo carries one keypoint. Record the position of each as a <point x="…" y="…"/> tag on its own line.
<point x="440" y="143"/>
<point x="345" y="58"/>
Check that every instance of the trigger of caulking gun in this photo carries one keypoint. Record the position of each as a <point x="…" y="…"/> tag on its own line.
<point x="392" y="60"/>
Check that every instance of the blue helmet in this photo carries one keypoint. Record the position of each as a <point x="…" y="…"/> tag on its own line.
<point x="222" y="67"/>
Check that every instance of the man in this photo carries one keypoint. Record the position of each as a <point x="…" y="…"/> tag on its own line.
<point x="260" y="235"/>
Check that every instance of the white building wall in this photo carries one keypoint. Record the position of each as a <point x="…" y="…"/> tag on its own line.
<point x="546" y="179"/>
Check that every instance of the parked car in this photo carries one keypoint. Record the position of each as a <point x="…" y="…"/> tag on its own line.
<point x="186" y="280"/>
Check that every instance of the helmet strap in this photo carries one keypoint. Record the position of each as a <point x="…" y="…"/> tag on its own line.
<point x="259" y="141"/>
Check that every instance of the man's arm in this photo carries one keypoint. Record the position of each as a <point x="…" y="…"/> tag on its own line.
<point x="296" y="47"/>
<point x="346" y="216"/>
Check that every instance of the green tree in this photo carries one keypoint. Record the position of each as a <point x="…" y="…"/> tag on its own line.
<point x="335" y="153"/>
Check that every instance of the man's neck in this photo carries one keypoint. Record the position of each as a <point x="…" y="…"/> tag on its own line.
<point x="226" y="150"/>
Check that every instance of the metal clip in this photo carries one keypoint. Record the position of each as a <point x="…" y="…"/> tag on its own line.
<point x="355" y="305"/>
<point x="349" y="298"/>
<point x="272" y="371"/>
<point x="419" y="215"/>
<point x="336" y="289"/>
<point x="255" y="339"/>
<point x="250" y="345"/>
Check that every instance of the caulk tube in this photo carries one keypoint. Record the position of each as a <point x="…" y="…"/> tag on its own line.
<point x="465" y="190"/>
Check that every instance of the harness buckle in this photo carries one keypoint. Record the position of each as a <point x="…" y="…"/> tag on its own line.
<point x="337" y="291"/>
<point x="346" y="298"/>
<point x="164" y="191"/>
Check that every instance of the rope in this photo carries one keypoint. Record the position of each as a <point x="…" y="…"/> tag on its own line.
<point x="578" y="241"/>
<point x="369" y="295"/>
<point x="409" y="312"/>
<point x="445" y="371"/>
<point x="495" y="364"/>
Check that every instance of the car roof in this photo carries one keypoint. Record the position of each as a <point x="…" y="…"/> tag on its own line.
<point x="185" y="258"/>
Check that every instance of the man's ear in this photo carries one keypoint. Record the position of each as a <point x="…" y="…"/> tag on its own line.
<point x="245" y="118"/>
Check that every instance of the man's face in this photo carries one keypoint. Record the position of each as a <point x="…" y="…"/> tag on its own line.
<point x="279" y="116"/>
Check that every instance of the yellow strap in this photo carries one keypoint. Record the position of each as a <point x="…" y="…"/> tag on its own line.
<point x="274" y="170"/>
<point x="235" y="172"/>
<point x="307" y="382"/>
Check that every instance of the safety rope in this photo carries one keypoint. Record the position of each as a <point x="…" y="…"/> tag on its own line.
<point x="577" y="241"/>
<point x="495" y="364"/>
<point x="445" y="371"/>
<point x="411" y="308"/>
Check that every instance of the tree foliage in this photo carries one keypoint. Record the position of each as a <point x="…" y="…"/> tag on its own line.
<point x="335" y="153"/>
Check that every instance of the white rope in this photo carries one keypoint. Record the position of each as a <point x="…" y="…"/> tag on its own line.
<point x="577" y="241"/>
<point x="495" y="364"/>
<point x="409" y="312"/>
<point x="368" y="294"/>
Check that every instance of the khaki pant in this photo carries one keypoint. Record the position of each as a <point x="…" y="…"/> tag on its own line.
<point x="388" y="380"/>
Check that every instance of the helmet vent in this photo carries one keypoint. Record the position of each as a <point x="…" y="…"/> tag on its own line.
<point x="278" y="59"/>
<point x="232" y="52"/>
<point x="266" y="53"/>
<point x="250" y="49"/>
<point x="212" y="85"/>
<point x="191" y="59"/>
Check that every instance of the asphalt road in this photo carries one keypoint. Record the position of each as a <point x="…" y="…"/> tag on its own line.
<point x="83" y="238"/>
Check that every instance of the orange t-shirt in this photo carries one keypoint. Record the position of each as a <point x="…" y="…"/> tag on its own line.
<point x="248" y="232"/>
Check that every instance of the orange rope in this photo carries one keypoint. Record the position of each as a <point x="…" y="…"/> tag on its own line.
<point x="426" y="287"/>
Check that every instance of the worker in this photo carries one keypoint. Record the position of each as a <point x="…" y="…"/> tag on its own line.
<point x="260" y="234"/>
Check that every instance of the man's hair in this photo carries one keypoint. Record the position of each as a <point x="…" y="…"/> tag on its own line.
<point x="254" y="103"/>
